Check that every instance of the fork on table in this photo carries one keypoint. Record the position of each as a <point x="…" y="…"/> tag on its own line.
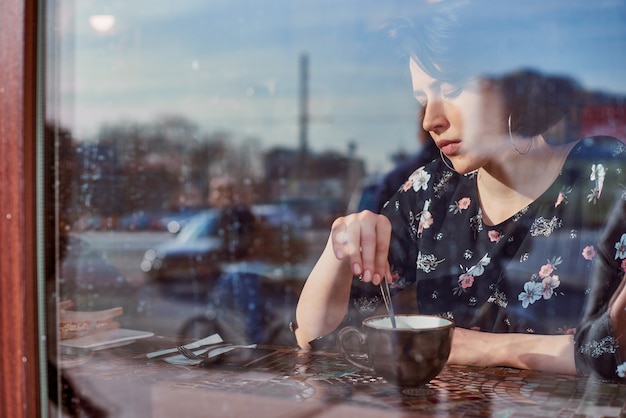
<point x="188" y="353"/>
<point x="214" y="351"/>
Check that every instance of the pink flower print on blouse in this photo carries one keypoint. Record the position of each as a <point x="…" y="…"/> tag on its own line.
<point x="464" y="203"/>
<point x="418" y="180"/>
<point x="426" y="218"/>
<point x="589" y="252"/>
<point x="562" y="197"/>
<point x="460" y="205"/>
<point x="559" y="199"/>
<point x="494" y="236"/>
<point x="533" y="290"/>
<point x="624" y="265"/>
<point x="549" y="284"/>
<point x="546" y="270"/>
<point x="466" y="280"/>
<point x="407" y="185"/>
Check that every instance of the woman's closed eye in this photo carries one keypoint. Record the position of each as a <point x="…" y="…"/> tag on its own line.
<point x="449" y="91"/>
<point x="446" y="92"/>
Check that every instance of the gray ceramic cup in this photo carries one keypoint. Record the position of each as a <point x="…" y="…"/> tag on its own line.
<point x="412" y="354"/>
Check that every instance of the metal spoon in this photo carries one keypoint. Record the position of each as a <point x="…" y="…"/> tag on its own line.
<point x="384" y="290"/>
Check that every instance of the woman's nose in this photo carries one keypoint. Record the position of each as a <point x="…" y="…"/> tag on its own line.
<point x="434" y="117"/>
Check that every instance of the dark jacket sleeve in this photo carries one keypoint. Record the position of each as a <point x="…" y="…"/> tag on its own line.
<point x="597" y="351"/>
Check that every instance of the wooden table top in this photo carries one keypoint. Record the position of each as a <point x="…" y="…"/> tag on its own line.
<point x="294" y="383"/>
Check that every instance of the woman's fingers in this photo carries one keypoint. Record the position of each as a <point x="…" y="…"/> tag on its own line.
<point x="363" y="239"/>
<point x="367" y="232"/>
<point x="383" y="236"/>
<point x="347" y="242"/>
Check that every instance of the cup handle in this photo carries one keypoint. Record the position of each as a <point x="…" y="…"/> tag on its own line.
<point x="342" y="338"/>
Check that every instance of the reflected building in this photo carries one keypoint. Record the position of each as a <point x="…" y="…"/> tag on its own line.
<point x="330" y="178"/>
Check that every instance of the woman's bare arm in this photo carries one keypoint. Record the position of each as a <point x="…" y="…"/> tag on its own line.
<point x="550" y="353"/>
<point x="358" y="245"/>
<point x="324" y="299"/>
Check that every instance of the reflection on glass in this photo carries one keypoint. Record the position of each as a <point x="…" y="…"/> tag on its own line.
<point x="294" y="111"/>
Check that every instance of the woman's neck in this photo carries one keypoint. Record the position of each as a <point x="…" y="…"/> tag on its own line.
<point x="507" y="186"/>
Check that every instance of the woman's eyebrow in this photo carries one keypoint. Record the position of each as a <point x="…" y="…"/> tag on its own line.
<point x="434" y="86"/>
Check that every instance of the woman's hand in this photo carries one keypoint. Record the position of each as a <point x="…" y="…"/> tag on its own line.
<point x="363" y="239"/>
<point x="357" y="245"/>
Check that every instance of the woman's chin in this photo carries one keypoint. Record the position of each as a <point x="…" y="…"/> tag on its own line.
<point x="462" y="168"/>
<point x="465" y="165"/>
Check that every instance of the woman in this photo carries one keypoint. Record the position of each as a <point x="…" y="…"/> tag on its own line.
<point x="500" y="234"/>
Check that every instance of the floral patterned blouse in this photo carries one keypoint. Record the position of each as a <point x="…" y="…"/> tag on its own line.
<point x="534" y="272"/>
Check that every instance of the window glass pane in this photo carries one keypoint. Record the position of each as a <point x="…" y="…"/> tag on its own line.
<point x="205" y="147"/>
<point x="170" y="110"/>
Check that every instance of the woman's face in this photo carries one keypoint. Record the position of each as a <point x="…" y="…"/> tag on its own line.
<point x="466" y="122"/>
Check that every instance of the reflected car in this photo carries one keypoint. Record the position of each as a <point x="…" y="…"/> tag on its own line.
<point x="136" y="221"/>
<point x="200" y="250"/>
<point x="174" y="221"/>
<point x="193" y="253"/>
<point x="280" y="215"/>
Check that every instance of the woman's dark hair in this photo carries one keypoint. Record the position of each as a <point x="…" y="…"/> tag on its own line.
<point x="457" y="41"/>
<point x="535" y="102"/>
<point x="439" y="39"/>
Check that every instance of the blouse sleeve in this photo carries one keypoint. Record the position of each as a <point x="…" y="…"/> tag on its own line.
<point x="597" y="352"/>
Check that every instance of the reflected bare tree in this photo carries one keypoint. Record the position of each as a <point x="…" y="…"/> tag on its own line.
<point x="162" y="165"/>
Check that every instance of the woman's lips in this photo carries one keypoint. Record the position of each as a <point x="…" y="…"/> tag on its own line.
<point x="449" y="148"/>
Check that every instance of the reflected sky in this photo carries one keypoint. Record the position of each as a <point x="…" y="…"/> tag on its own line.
<point x="232" y="65"/>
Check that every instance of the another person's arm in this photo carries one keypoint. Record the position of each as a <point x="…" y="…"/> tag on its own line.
<point x="617" y="314"/>
<point x="601" y="336"/>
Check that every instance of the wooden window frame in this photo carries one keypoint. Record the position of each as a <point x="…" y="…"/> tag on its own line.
<point x="19" y="343"/>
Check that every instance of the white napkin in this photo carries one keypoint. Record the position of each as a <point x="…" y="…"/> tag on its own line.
<point x="210" y="340"/>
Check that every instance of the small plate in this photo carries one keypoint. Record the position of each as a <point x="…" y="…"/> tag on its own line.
<point x="106" y="339"/>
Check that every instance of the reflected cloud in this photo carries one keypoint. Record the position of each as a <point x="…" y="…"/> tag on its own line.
<point x="160" y="58"/>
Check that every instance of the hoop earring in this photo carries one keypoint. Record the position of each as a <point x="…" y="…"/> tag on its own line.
<point x="445" y="162"/>
<point x="530" y="143"/>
